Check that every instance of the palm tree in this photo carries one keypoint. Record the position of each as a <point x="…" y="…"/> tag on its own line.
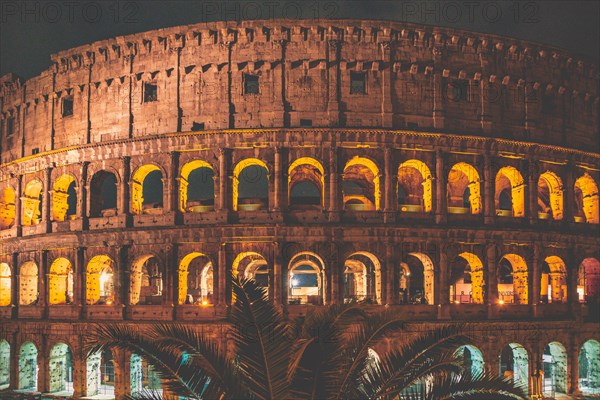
<point x="322" y="356"/>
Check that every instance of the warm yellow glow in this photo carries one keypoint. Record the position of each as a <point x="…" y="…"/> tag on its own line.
<point x="589" y="191"/>
<point x="520" y="278"/>
<point x="307" y="161"/>
<point x="206" y="277"/>
<point x="137" y="186"/>
<point x="60" y="197"/>
<point x="28" y="290"/>
<point x="461" y="176"/>
<point x="60" y="281"/>
<point x="360" y="274"/>
<point x="31" y="203"/>
<point x="303" y="294"/>
<point x="404" y="174"/>
<point x="99" y="284"/>
<point x="500" y="301"/>
<point x="184" y="180"/>
<point x="428" y="276"/>
<point x="554" y="185"/>
<point x="7" y="207"/>
<point x="373" y="179"/>
<point x="145" y="279"/>
<point x="5" y="285"/>
<point x="557" y="279"/>
<point x="477" y="279"/>
<point x="236" y="176"/>
<point x="517" y="186"/>
<point x="237" y="262"/>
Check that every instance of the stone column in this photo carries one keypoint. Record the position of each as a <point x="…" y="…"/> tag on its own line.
<point x="387" y="76"/>
<point x="43" y="287"/>
<point x="278" y="283"/>
<point x="569" y="193"/>
<point x="46" y="205"/>
<point x="443" y="290"/>
<point x="391" y="265"/>
<point x="16" y="283"/>
<point x="488" y="191"/>
<point x="42" y="359"/>
<point x="387" y="185"/>
<point x="121" y="276"/>
<point x="534" y="278"/>
<point x="333" y="81"/>
<point x="19" y="204"/>
<point x="533" y="190"/>
<point x="334" y="205"/>
<point x="123" y="206"/>
<point x="223" y="204"/>
<point x="573" y="366"/>
<point x="82" y="192"/>
<point x="491" y="278"/>
<point x="333" y="276"/>
<point x="79" y="295"/>
<point x="171" y="189"/>
<point x="78" y="361"/>
<point x="438" y="93"/>
<point x="14" y="361"/>
<point x="572" y="278"/>
<point x="222" y="292"/>
<point x="277" y="186"/>
<point x="441" y="213"/>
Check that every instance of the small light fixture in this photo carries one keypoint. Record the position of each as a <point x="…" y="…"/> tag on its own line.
<point x="500" y="301"/>
<point x="204" y="303"/>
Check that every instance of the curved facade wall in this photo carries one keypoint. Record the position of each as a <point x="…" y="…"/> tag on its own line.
<point x="450" y="175"/>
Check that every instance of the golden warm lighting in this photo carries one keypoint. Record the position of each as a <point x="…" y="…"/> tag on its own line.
<point x="7" y="207"/>
<point x="589" y="198"/>
<point x="5" y="285"/>
<point x="416" y="172"/>
<point x="204" y="302"/>
<point x="184" y="180"/>
<point x="354" y="168"/>
<point x="60" y="197"/>
<point x="137" y="187"/>
<point x="31" y="200"/>
<point x="461" y="177"/>
<point x="510" y="178"/>
<point x="236" y="176"/>
<point x="500" y="301"/>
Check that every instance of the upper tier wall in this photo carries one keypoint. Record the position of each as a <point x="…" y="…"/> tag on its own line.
<point x="416" y="77"/>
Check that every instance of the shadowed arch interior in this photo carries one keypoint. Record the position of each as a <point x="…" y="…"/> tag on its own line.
<point x="361" y="185"/>
<point x="197" y="187"/>
<point x="464" y="189"/>
<point x="250" y="185"/>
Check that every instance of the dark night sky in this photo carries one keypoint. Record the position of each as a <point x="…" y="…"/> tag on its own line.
<point x="31" y="30"/>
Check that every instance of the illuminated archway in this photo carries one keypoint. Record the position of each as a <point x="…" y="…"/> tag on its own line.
<point x="28" y="367"/>
<point x="306" y="183"/>
<point x="467" y="280"/>
<point x="100" y="373"/>
<point x="32" y="203"/>
<point x="306" y="274"/>
<point x="28" y="289"/>
<point x="464" y="189"/>
<point x="554" y="280"/>
<point x="362" y="278"/>
<point x="99" y="280"/>
<point x="514" y="363"/>
<point x="147" y="190"/>
<point x="555" y="369"/>
<point x="550" y="196"/>
<point x="513" y="280"/>
<point x="197" y="187"/>
<point x="588" y="286"/>
<point x="361" y="185"/>
<point x="472" y="360"/>
<point x="60" y="282"/>
<point x="586" y="199"/>
<point x="415" y="185"/>
<point x="5" y="285"/>
<point x="103" y="194"/>
<point x="589" y="368"/>
<point x="510" y="183"/>
<point x="196" y="284"/>
<point x="4" y="364"/>
<point x="60" y="368"/>
<point x="7" y="207"/>
<point x="146" y="281"/>
<point x="142" y="377"/>
<point x="64" y="198"/>
<point x="250" y="185"/>
<point x="416" y="280"/>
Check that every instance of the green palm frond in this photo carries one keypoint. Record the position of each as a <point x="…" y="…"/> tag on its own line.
<point x="481" y="387"/>
<point x="262" y="339"/>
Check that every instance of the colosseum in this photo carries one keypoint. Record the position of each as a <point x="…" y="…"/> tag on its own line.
<point x="449" y="175"/>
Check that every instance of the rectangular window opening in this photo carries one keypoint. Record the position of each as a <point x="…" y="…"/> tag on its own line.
<point x="67" y="106"/>
<point x="250" y="84"/>
<point x="357" y="83"/>
<point x="150" y="92"/>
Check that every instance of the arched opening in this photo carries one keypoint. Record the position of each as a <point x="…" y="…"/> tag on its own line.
<point x="464" y="190"/>
<point x="32" y="203"/>
<point x="586" y="200"/>
<point x="197" y="187"/>
<point x="146" y="281"/>
<point x="28" y="367"/>
<point x="142" y="377"/>
<point x="250" y="185"/>
<point x="514" y="363"/>
<point x="7" y="207"/>
<point x="510" y="193"/>
<point x="472" y="359"/>
<point x="147" y="190"/>
<point x="415" y="185"/>
<point x="513" y="280"/>
<point x="589" y="368"/>
<point x="550" y="196"/>
<point x="103" y="194"/>
<point x="100" y="373"/>
<point x="28" y="289"/>
<point x="588" y="286"/>
<point x="5" y="285"/>
<point x="64" y="198"/>
<point x="361" y="186"/>
<point x="4" y="364"/>
<point x="99" y="281"/>
<point x="554" y="364"/>
<point x="60" y="368"/>
<point x="252" y="265"/>
<point x="196" y="280"/>
<point x="466" y="279"/>
<point x="306" y="184"/>
<point x="362" y="278"/>
<point x="554" y="281"/>
<point x="306" y="274"/>
<point x="416" y="280"/>
<point x="60" y="282"/>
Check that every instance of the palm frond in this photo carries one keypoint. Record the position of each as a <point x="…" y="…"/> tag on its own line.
<point x="481" y="387"/>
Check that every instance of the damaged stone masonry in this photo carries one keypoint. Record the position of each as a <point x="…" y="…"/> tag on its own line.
<point x="450" y="175"/>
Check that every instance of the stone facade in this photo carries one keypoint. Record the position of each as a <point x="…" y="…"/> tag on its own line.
<point x="450" y="175"/>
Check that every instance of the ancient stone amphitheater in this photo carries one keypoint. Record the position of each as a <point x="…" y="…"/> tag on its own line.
<point x="450" y="175"/>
